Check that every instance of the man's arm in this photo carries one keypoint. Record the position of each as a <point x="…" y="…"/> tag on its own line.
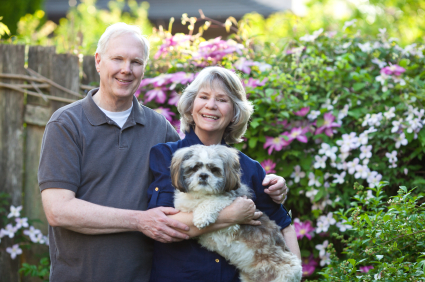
<point x="64" y="210"/>
<point x="290" y="237"/>
<point x="278" y="190"/>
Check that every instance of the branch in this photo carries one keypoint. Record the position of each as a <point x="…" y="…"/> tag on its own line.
<point x="203" y="17"/>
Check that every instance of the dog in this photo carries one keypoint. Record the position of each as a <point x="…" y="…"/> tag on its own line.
<point x="207" y="179"/>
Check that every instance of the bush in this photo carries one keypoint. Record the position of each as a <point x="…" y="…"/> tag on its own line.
<point x="387" y="239"/>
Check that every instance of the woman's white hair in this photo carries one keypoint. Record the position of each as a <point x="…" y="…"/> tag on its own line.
<point x="117" y="29"/>
<point x="229" y="82"/>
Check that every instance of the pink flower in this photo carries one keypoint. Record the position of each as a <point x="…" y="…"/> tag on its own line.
<point x="167" y="113"/>
<point x="269" y="166"/>
<point x="158" y="93"/>
<point x="174" y="99"/>
<point x="276" y="143"/>
<point x="328" y="124"/>
<point x="366" y="268"/>
<point x="176" y="124"/>
<point x="252" y="82"/>
<point x="299" y="134"/>
<point x="244" y="65"/>
<point x="302" y="112"/>
<point x="182" y="77"/>
<point x="393" y="70"/>
<point x="303" y="229"/>
<point x="216" y="49"/>
<point x="171" y="42"/>
<point x="309" y="265"/>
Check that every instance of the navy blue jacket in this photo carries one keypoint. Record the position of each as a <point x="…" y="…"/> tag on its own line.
<point x="187" y="260"/>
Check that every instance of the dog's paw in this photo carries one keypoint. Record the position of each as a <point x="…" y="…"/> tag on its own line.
<point x="202" y="222"/>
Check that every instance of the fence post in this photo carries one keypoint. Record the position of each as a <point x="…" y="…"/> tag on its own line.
<point x="12" y="60"/>
<point x="90" y="74"/>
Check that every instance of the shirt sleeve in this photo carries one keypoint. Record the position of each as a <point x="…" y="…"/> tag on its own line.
<point x="160" y="191"/>
<point x="60" y="158"/>
<point x="264" y="202"/>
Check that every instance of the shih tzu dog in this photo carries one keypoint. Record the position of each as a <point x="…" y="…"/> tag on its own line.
<point x="207" y="179"/>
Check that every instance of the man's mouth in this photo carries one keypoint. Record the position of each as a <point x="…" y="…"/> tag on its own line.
<point x="122" y="80"/>
<point x="210" y="117"/>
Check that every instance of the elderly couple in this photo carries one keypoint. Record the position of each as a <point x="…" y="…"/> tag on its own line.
<point x="105" y="181"/>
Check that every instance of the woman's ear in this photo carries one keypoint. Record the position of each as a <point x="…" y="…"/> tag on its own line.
<point x="177" y="169"/>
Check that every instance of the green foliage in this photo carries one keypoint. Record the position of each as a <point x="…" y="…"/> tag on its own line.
<point x="41" y="271"/>
<point x="387" y="234"/>
<point x="13" y="10"/>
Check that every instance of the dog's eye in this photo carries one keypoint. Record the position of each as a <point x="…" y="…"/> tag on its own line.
<point x="196" y="167"/>
<point x="216" y="171"/>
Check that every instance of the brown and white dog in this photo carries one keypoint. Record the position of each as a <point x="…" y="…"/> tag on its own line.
<point x="207" y="179"/>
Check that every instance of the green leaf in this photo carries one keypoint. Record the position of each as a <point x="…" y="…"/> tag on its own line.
<point x="366" y="217"/>
<point x="252" y="142"/>
<point x="352" y="261"/>
<point x="359" y="86"/>
<point x="386" y="218"/>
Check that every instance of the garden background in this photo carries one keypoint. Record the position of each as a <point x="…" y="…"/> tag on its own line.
<point x="339" y="113"/>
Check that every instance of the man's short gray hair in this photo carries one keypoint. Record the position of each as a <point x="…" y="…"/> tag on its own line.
<point x="117" y="29"/>
<point x="230" y="83"/>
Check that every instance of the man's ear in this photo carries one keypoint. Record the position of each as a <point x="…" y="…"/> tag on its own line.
<point x="97" y="58"/>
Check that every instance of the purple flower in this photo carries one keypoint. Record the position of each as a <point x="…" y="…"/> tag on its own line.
<point x="171" y="42"/>
<point x="269" y="166"/>
<point x="244" y="65"/>
<point x="158" y="93"/>
<point x="309" y="265"/>
<point x="302" y="112"/>
<point x="181" y="77"/>
<point x="167" y="113"/>
<point x="174" y="99"/>
<point x="276" y="143"/>
<point x="303" y="229"/>
<point x="176" y="124"/>
<point x="366" y="268"/>
<point x="328" y="124"/>
<point x="252" y="82"/>
<point x="393" y="70"/>
<point x="216" y="49"/>
<point x="299" y="134"/>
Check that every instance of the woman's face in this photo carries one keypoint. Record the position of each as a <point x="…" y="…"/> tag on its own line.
<point x="212" y="112"/>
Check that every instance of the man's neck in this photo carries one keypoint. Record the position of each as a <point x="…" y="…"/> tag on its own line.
<point x="110" y="104"/>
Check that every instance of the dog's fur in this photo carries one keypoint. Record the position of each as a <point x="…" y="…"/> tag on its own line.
<point x="207" y="180"/>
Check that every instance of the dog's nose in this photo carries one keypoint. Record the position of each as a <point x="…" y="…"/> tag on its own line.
<point x="203" y="176"/>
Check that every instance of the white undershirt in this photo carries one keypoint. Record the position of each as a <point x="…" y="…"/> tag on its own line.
<point x="119" y="117"/>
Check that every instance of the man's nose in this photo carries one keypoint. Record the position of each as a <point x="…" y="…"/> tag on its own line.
<point x="126" y="67"/>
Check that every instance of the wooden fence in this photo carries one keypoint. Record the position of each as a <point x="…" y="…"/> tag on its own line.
<point x="34" y="82"/>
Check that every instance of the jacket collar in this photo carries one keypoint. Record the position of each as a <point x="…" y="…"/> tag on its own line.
<point x="192" y="139"/>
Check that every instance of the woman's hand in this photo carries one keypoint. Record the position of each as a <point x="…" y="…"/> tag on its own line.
<point x="277" y="189"/>
<point x="241" y="211"/>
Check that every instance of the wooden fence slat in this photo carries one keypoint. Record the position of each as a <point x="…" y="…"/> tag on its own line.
<point x="12" y="60"/>
<point x="90" y="74"/>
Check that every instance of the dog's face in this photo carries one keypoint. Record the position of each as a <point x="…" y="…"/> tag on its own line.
<point x="205" y="169"/>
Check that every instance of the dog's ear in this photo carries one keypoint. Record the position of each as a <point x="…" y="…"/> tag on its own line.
<point x="177" y="170"/>
<point x="232" y="168"/>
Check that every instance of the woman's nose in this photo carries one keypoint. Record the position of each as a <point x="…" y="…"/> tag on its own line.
<point x="211" y="104"/>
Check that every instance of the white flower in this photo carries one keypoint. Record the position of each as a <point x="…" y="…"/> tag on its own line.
<point x="21" y="222"/>
<point x="14" y="212"/>
<point x="396" y="125"/>
<point x="39" y="238"/>
<point x="325" y="259"/>
<point x="322" y="227"/>
<point x="377" y="276"/>
<point x="372" y="119"/>
<point x="310" y="194"/>
<point x="320" y="162"/>
<point x="370" y="130"/>
<point x="343" y="113"/>
<point x="366" y="152"/>
<point x="361" y="171"/>
<point x="313" y="180"/>
<point x="322" y="247"/>
<point x="390" y="114"/>
<point x="414" y="124"/>
<point x="349" y="141"/>
<point x="369" y="195"/>
<point x="400" y="140"/>
<point x="342" y="226"/>
<point x="380" y="64"/>
<point x="365" y="47"/>
<point x="337" y="199"/>
<point x="348" y="24"/>
<point x="365" y="162"/>
<point x="328" y="218"/>
<point x="328" y="151"/>
<point x="373" y="179"/>
<point x="351" y="166"/>
<point x="297" y="174"/>
<point x="392" y="156"/>
<point x="313" y="115"/>
<point x="14" y="251"/>
<point x="327" y="105"/>
<point x="339" y="178"/>
<point x="9" y="231"/>
<point x="32" y="232"/>
<point x="311" y="38"/>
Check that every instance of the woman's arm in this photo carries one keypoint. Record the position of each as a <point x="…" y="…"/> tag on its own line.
<point x="290" y="237"/>
<point x="241" y="211"/>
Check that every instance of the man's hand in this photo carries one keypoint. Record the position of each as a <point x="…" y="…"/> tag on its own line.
<point x="155" y="224"/>
<point x="278" y="190"/>
<point x="241" y="211"/>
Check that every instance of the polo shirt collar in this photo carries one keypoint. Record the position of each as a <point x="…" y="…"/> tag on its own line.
<point x="96" y="117"/>
<point x="192" y="139"/>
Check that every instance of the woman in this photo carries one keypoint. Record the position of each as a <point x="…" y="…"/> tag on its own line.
<point x="214" y="110"/>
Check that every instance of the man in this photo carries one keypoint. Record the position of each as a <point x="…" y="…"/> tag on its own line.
<point x="94" y="172"/>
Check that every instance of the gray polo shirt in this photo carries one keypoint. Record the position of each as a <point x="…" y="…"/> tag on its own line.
<point x="86" y="152"/>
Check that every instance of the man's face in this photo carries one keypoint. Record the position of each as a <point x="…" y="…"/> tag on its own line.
<point x="121" y="66"/>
